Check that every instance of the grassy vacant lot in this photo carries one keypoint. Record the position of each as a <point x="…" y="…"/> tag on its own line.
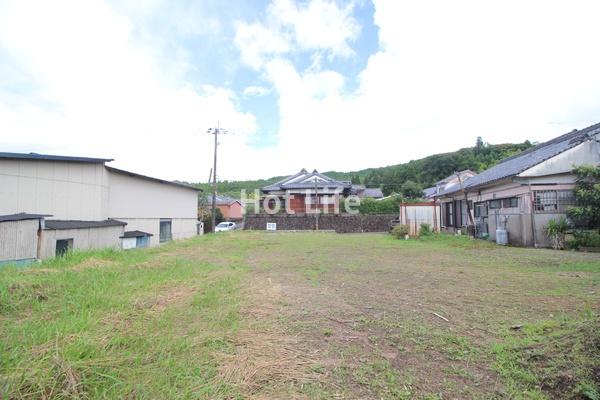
<point x="307" y="315"/>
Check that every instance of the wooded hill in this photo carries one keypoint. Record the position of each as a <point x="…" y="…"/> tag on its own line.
<point x="408" y="178"/>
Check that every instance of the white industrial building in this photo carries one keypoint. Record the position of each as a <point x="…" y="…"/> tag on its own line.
<point x="81" y="203"/>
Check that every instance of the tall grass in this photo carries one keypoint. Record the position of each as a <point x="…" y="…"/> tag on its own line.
<point x="116" y="324"/>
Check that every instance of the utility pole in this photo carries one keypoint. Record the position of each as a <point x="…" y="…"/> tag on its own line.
<point x="316" y="204"/>
<point x="215" y="131"/>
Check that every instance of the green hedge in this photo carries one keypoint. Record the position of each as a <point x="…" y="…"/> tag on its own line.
<point x="386" y="206"/>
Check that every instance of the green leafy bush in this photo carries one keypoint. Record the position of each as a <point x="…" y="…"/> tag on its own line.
<point x="586" y="215"/>
<point x="556" y="230"/>
<point x="426" y="230"/>
<point x="400" y="231"/>
<point x="386" y="206"/>
<point x="584" y="239"/>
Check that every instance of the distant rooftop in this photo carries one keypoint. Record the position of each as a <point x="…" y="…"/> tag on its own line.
<point x="222" y="200"/>
<point x="49" y="157"/>
<point x="306" y="180"/>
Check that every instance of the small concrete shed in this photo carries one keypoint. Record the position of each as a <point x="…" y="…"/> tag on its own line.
<point x="135" y="239"/>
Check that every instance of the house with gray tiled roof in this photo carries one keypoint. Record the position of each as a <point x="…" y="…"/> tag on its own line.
<point x="449" y="184"/>
<point x="232" y="209"/>
<point x="364" y="192"/>
<point x="306" y="191"/>
<point x="523" y="192"/>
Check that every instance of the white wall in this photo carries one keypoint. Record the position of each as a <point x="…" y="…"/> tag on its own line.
<point x="142" y="203"/>
<point x="584" y="153"/>
<point x="181" y="228"/>
<point x="133" y="197"/>
<point x="83" y="239"/>
<point x="65" y="190"/>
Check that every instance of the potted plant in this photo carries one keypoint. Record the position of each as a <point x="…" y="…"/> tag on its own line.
<point x="556" y="231"/>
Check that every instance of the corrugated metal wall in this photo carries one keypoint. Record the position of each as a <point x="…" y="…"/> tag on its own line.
<point x="18" y="240"/>
<point x="414" y="215"/>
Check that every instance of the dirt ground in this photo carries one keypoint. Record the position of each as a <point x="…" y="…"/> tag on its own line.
<point x="366" y="316"/>
<point x="304" y="316"/>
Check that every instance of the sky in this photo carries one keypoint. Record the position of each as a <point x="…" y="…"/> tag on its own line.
<point x="311" y="84"/>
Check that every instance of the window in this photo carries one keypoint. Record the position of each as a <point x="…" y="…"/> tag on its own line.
<point x="63" y="246"/>
<point x="480" y="210"/>
<point x="509" y="202"/>
<point x="449" y="214"/>
<point x="464" y="215"/>
<point x="327" y="200"/>
<point x="165" y="230"/>
<point x="142" y="241"/>
<point x="552" y="201"/>
<point x="495" y="204"/>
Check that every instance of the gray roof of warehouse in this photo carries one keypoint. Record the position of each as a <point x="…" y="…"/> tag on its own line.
<point x="518" y="163"/>
<point x="21" y="217"/>
<point x="71" y="224"/>
<point x="48" y="157"/>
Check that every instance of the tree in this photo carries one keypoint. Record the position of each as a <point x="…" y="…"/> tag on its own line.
<point x="479" y="145"/>
<point x="205" y="213"/>
<point x="411" y="190"/>
<point x="355" y="180"/>
<point x="586" y="215"/>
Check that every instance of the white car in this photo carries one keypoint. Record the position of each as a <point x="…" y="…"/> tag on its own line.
<point x="225" y="226"/>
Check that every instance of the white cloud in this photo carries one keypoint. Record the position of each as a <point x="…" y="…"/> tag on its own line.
<point x="320" y="25"/>
<point x="255" y="41"/>
<point x="256" y="91"/>
<point x="508" y="72"/>
<point x="101" y="92"/>
<point x="98" y="84"/>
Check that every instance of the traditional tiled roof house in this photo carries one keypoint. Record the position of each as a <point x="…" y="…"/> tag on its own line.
<point x="523" y="192"/>
<point x="307" y="191"/>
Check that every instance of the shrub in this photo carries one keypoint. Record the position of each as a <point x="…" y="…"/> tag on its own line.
<point x="586" y="215"/>
<point x="386" y="206"/>
<point x="556" y="230"/>
<point x="400" y="231"/>
<point x="426" y="230"/>
<point x="585" y="239"/>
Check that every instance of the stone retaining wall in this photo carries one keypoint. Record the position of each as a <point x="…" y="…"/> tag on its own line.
<point x="341" y="223"/>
